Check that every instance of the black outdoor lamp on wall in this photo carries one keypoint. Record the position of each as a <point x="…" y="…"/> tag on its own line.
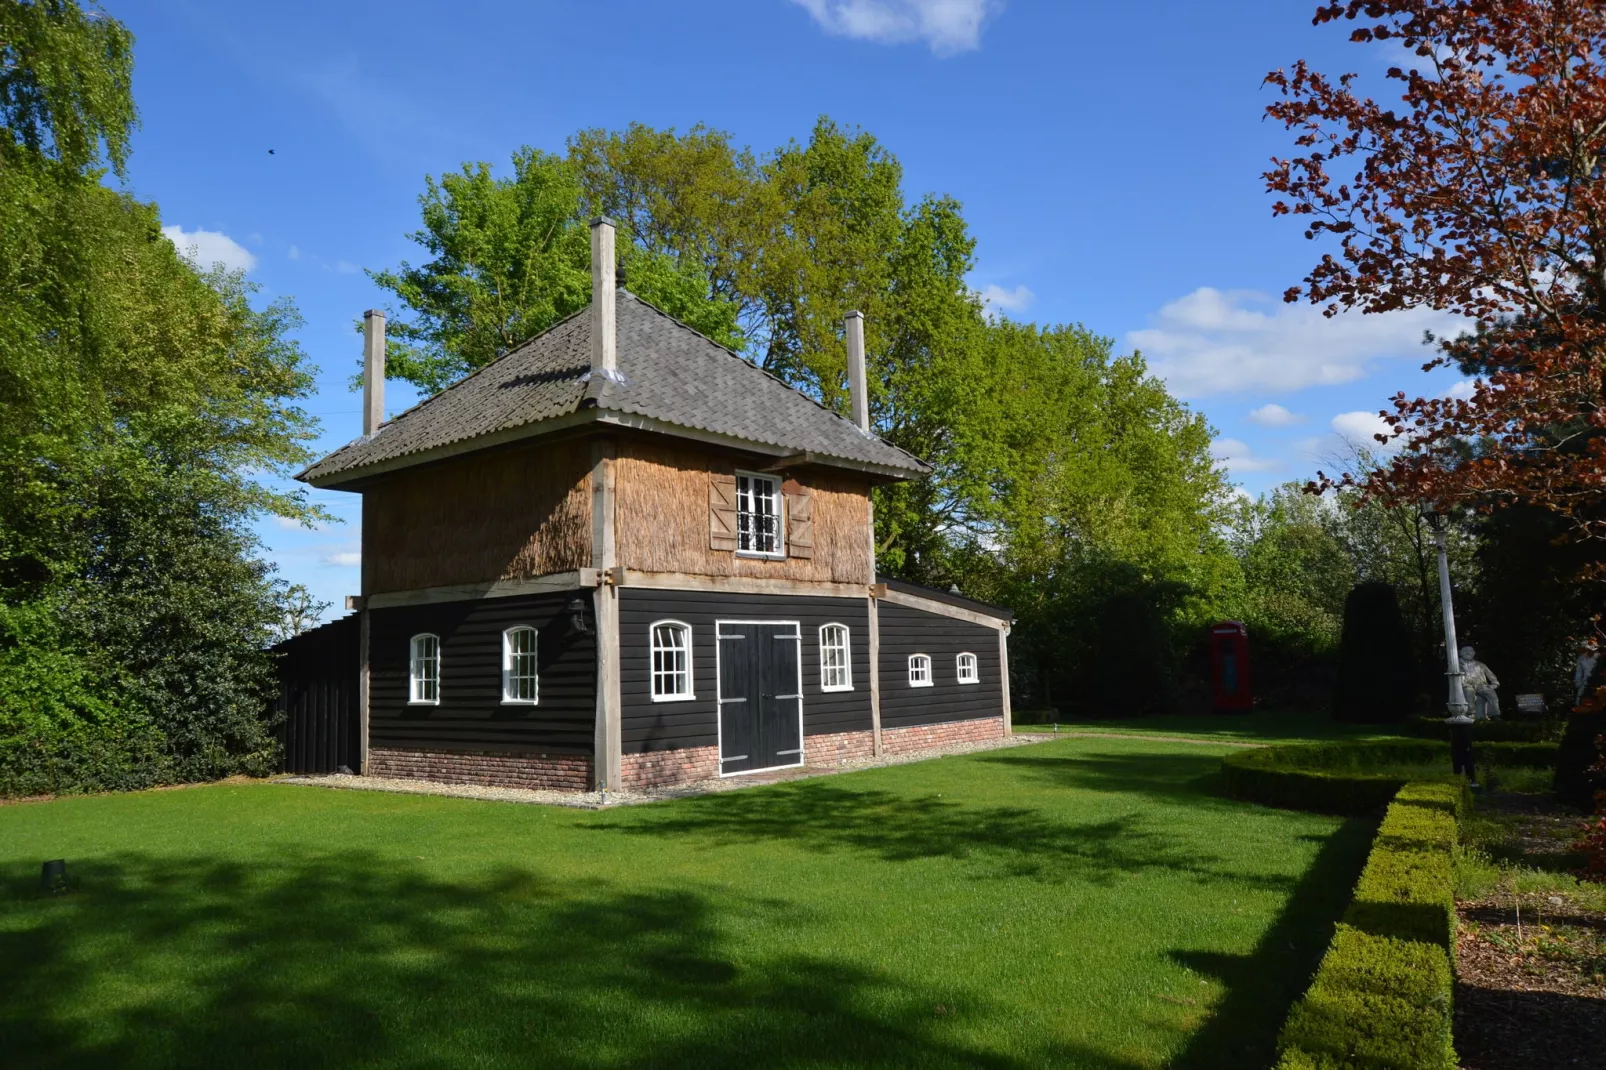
<point x="579" y="616"/>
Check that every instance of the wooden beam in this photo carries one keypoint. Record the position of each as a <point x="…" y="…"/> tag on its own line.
<point x="686" y="581"/>
<point x="608" y="750"/>
<point x="466" y="592"/>
<point x="875" y="677"/>
<point x="1003" y="673"/>
<point x="942" y="609"/>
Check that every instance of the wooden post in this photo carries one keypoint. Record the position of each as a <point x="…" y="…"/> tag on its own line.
<point x="607" y="754"/>
<point x="873" y="609"/>
<point x="875" y="675"/>
<point x="1003" y="673"/>
<point x="363" y="691"/>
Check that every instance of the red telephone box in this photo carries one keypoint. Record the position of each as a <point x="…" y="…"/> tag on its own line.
<point x="1229" y="666"/>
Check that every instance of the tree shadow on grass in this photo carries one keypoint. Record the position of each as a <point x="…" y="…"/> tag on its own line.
<point x="1261" y="987"/>
<point x="999" y="842"/>
<point x="355" y="959"/>
<point x="1165" y="777"/>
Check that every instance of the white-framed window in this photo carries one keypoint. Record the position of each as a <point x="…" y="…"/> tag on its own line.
<point x="919" y="670"/>
<point x="671" y="661"/>
<point x="424" y="671"/>
<point x="836" y="663"/>
<point x="968" y="672"/>
<point x="521" y="676"/>
<point x="758" y="515"/>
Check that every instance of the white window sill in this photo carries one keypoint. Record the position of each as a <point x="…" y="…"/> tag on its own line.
<point x="838" y="687"/>
<point x="970" y="683"/>
<point x="521" y="702"/>
<point x="423" y="702"/>
<point x="919" y="683"/>
<point x="674" y="698"/>
<point x="760" y="555"/>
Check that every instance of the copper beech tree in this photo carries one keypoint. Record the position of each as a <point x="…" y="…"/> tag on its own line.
<point x="1483" y="195"/>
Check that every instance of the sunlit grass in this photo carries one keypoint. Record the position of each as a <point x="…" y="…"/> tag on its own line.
<point x="1082" y="903"/>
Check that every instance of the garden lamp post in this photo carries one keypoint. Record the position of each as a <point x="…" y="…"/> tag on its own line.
<point x="1460" y="721"/>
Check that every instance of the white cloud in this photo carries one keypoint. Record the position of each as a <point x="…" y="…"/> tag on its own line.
<point x="946" y="26"/>
<point x="203" y="248"/>
<point x="1461" y="391"/>
<point x="1357" y="429"/>
<point x="1001" y="301"/>
<point x="295" y="253"/>
<point x="1236" y="455"/>
<point x="1274" y="415"/>
<point x="346" y="267"/>
<point x="1214" y="341"/>
<point x="344" y="558"/>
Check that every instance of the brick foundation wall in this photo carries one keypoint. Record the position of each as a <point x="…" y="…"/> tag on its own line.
<point x="921" y="736"/>
<point x="560" y="772"/>
<point x="834" y="747"/>
<point x="657" y="769"/>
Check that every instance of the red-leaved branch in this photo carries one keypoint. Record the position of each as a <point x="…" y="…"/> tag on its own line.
<point x="1482" y="194"/>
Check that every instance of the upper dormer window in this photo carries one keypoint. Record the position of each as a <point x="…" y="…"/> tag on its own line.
<point x="758" y="515"/>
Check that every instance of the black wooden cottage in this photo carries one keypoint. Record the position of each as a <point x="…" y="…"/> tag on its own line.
<point x="623" y="555"/>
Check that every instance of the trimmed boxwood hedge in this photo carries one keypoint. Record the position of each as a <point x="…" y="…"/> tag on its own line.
<point x="1504" y="730"/>
<point x="1354" y="777"/>
<point x="1382" y="994"/>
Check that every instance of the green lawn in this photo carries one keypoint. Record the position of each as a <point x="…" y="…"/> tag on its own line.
<point x="1082" y="903"/>
<point x="1257" y="727"/>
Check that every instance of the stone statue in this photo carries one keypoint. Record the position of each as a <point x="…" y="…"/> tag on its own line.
<point x="1480" y="687"/>
<point x="1584" y="670"/>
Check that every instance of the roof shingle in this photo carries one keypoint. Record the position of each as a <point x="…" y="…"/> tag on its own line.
<point x="671" y="374"/>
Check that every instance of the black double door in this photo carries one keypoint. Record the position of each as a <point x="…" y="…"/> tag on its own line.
<point x="760" y="696"/>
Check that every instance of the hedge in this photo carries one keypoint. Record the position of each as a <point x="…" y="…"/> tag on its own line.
<point x="1505" y="730"/>
<point x="1381" y="997"/>
<point x="1354" y="777"/>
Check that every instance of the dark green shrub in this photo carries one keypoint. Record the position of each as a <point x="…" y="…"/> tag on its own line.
<point x="1376" y="673"/>
<point x="1382" y="994"/>
<point x="1357" y="777"/>
<point x="1576" y="784"/>
<point x="1133" y="667"/>
<point x="1505" y="730"/>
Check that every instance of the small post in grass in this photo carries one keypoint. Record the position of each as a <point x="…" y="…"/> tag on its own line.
<point x="53" y="876"/>
<point x="1460" y="720"/>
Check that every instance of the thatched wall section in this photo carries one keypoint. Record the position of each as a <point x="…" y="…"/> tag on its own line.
<point x="663" y="519"/>
<point x="505" y="514"/>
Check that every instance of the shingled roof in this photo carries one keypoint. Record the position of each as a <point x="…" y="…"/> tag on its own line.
<point x="674" y="380"/>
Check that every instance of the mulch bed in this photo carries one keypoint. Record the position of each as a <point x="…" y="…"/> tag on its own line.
<point x="1530" y="967"/>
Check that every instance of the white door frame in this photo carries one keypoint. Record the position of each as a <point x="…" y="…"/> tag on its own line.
<point x="719" y="696"/>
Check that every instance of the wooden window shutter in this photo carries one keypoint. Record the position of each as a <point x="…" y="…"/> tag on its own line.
<point x="721" y="509"/>
<point x="799" y="522"/>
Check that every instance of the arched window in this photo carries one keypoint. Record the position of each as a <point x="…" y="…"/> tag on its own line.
<point x="836" y="667"/>
<point x="968" y="673"/>
<point x="521" y="679"/>
<point x="919" y="670"/>
<point x="671" y="661"/>
<point x="424" y="671"/>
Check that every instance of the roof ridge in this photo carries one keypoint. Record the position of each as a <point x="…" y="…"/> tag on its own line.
<point x="767" y="373"/>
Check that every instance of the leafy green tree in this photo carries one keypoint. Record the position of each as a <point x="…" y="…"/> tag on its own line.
<point x="139" y="401"/>
<point x="509" y="258"/>
<point x="65" y="76"/>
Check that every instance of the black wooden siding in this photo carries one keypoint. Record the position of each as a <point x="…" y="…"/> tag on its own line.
<point x="318" y="680"/>
<point x="655" y="726"/>
<point x="906" y="631"/>
<point x="471" y="716"/>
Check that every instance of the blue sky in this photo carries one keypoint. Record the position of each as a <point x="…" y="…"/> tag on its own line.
<point x="1107" y="156"/>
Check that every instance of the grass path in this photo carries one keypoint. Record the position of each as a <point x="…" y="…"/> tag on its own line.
<point x="1079" y="903"/>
